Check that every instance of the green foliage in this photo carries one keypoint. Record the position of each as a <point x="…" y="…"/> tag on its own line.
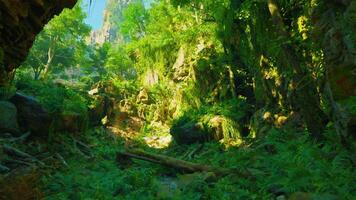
<point x="60" y="45"/>
<point x="119" y="64"/>
<point x="350" y="105"/>
<point x="219" y="121"/>
<point x="7" y="92"/>
<point x="202" y="68"/>
<point x="284" y="163"/>
<point x="135" y="17"/>
<point x="56" y="99"/>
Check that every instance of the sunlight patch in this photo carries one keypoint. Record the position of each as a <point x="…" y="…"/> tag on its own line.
<point x="158" y="142"/>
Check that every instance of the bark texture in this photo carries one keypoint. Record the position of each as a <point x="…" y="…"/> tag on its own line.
<point x="305" y="97"/>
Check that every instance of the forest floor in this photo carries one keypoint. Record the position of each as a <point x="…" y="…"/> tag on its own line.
<point x="283" y="166"/>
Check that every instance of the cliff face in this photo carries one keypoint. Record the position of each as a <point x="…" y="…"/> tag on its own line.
<point x="113" y="15"/>
<point x="107" y="33"/>
<point x="20" y="22"/>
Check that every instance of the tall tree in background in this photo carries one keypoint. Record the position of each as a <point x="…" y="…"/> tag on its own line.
<point x="135" y="18"/>
<point x="60" y="44"/>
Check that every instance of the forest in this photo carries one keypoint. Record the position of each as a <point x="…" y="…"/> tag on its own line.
<point x="178" y="100"/>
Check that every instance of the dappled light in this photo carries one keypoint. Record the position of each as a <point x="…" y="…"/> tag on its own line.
<point x="177" y="100"/>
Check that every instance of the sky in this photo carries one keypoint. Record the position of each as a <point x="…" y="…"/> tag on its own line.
<point x="95" y="13"/>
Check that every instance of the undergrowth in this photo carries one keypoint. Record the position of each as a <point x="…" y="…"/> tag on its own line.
<point x="223" y="120"/>
<point x="54" y="98"/>
<point x="283" y="163"/>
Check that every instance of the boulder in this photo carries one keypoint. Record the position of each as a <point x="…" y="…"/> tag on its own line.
<point x="199" y="129"/>
<point x="189" y="132"/>
<point x="7" y="92"/>
<point x="31" y="115"/>
<point x="142" y="96"/>
<point x="8" y="118"/>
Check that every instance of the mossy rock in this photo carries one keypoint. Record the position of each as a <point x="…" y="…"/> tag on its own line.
<point x="8" y="118"/>
<point x="7" y="92"/>
<point x="189" y="130"/>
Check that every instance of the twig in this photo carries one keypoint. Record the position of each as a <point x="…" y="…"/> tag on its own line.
<point x="190" y="153"/>
<point x="196" y="150"/>
<point x="18" y="153"/>
<point x="21" y="138"/>
<point x="85" y="150"/>
<point x="21" y="162"/>
<point x="4" y="168"/>
<point x="62" y="159"/>
<point x="15" y="152"/>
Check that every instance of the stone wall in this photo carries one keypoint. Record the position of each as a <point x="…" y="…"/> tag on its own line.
<point x="20" y="22"/>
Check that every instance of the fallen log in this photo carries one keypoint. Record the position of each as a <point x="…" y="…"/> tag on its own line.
<point x="180" y="164"/>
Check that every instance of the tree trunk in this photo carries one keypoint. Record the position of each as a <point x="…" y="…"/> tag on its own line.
<point x="37" y="72"/>
<point x="305" y="95"/>
<point x="50" y="54"/>
<point x="333" y="33"/>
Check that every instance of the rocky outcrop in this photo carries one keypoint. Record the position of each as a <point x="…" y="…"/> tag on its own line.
<point x="110" y="32"/>
<point x="20" y="22"/>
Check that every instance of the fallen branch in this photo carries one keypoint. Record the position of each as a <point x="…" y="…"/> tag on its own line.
<point x="179" y="164"/>
<point x="196" y="150"/>
<point x="4" y="168"/>
<point x="62" y="159"/>
<point x="21" y="138"/>
<point x="15" y="152"/>
<point x="11" y="151"/>
<point x="19" y="162"/>
<point x="84" y="149"/>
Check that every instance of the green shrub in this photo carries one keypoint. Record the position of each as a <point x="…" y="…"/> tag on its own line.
<point x="55" y="98"/>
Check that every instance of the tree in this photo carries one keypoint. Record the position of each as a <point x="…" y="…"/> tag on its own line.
<point x="59" y="44"/>
<point x="119" y="64"/>
<point x="135" y="18"/>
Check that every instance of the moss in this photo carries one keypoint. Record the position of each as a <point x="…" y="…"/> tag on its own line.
<point x="6" y="92"/>
<point x="350" y="105"/>
<point x="211" y="122"/>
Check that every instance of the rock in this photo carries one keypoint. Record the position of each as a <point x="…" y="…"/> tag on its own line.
<point x="142" y="96"/>
<point x="180" y="72"/>
<point x="189" y="132"/>
<point x="7" y="92"/>
<point x="8" y="118"/>
<point x="20" y="22"/>
<point x="93" y="92"/>
<point x="31" y="115"/>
